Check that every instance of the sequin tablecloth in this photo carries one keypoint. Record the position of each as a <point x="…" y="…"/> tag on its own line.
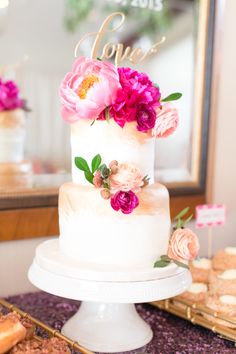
<point x="172" y="335"/>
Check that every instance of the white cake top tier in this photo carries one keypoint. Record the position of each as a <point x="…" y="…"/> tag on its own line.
<point x="126" y="145"/>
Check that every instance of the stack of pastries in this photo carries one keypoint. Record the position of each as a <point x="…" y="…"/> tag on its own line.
<point x="17" y="337"/>
<point x="214" y="285"/>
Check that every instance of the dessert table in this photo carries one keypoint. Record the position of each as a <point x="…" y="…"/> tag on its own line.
<point x="172" y="335"/>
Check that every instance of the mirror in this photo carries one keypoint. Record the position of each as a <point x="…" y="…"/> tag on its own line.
<point x="37" y="42"/>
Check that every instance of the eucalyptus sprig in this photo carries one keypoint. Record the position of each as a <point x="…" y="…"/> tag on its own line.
<point x="82" y="165"/>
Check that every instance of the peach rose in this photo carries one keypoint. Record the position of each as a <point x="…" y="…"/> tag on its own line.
<point x="127" y="178"/>
<point x="167" y="120"/>
<point x="184" y="245"/>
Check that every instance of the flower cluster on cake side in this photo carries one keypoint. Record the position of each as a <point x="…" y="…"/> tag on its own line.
<point x="10" y="96"/>
<point x="183" y="244"/>
<point x="119" y="182"/>
<point x="97" y="90"/>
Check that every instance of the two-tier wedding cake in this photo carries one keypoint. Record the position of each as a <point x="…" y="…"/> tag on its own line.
<point x="112" y="213"/>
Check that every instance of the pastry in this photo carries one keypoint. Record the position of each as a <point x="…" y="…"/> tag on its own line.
<point x="196" y="293"/>
<point x="224" y="305"/>
<point x="223" y="282"/>
<point x="11" y="332"/>
<point x="225" y="259"/>
<point x="200" y="270"/>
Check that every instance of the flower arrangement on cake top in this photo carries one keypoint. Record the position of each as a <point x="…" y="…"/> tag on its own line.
<point x="97" y="90"/>
<point x="119" y="182"/>
<point x="183" y="244"/>
<point x="10" y="97"/>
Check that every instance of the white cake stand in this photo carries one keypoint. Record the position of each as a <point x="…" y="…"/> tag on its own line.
<point x="107" y="320"/>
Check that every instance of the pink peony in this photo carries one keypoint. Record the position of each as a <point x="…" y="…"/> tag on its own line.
<point x="166" y="122"/>
<point x="124" y="201"/>
<point x="9" y="96"/>
<point x="146" y="118"/>
<point x="88" y="89"/>
<point x="137" y="90"/>
<point x="184" y="245"/>
<point x="128" y="177"/>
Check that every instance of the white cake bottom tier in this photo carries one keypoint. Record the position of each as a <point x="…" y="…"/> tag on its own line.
<point x="92" y="232"/>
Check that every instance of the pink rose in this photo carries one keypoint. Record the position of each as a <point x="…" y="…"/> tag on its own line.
<point x="184" y="245"/>
<point x="88" y="89"/>
<point x="167" y="121"/>
<point x="128" y="177"/>
<point x="124" y="201"/>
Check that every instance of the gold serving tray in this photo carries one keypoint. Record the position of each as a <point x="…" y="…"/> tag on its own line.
<point x="193" y="313"/>
<point x="51" y="332"/>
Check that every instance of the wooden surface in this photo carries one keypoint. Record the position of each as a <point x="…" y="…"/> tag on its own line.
<point x="37" y="222"/>
<point x="28" y="223"/>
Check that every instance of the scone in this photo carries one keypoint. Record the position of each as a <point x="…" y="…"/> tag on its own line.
<point x="200" y="270"/>
<point x="223" y="282"/>
<point x="224" y="305"/>
<point x="196" y="293"/>
<point x="225" y="259"/>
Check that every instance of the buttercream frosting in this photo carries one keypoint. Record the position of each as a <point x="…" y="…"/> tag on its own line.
<point x="197" y="288"/>
<point x="231" y="250"/>
<point x="228" y="299"/>
<point x="203" y="263"/>
<point x="229" y="274"/>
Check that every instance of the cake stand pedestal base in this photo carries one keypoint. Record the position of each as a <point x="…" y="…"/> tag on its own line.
<point x="108" y="327"/>
<point x="107" y="320"/>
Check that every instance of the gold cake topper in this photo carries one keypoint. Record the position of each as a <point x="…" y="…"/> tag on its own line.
<point x="116" y="50"/>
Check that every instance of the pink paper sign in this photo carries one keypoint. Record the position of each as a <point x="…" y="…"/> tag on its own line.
<point x="209" y="215"/>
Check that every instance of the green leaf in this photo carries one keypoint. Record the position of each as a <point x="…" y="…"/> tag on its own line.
<point x="180" y="264"/>
<point x="188" y="219"/>
<point x="99" y="59"/>
<point x="105" y="171"/>
<point x="179" y="224"/>
<point x="102" y="166"/>
<point x="164" y="257"/>
<point x="89" y="176"/>
<point x="161" y="264"/>
<point x="172" y="97"/>
<point x="96" y="162"/>
<point x="182" y="213"/>
<point x="82" y="164"/>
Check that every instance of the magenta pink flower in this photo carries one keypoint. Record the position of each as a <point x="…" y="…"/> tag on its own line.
<point x="166" y="122"/>
<point x="136" y="91"/>
<point x="146" y="118"/>
<point x="184" y="245"/>
<point x="88" y="89"/>
<point x="124" y="201"/>
<point x="9" y="96"/>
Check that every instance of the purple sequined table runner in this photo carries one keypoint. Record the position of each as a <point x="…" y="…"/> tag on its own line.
<point x="172" y="335"/>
